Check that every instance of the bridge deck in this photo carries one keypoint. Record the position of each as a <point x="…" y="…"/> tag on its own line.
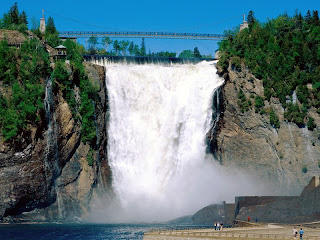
<point x="168" y="35"/>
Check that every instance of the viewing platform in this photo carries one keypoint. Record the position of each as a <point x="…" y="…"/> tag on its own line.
<point x="267" y="232"/>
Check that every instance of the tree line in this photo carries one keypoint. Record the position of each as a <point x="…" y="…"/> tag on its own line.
<point x="130" y="48"/>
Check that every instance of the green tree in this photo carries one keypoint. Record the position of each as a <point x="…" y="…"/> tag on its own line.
<point x="307" y="18"/>
<point x="14" y="20"/>
<point x="23" y="18"/>
<point x="116" y="47"/>
<point x="258" y="103"/>
<point x="251" y="20"/>
<point x="143" y="51"/>
<point x="131" y="48"/>
<point x="124" y="46"/>
<point x="106" y="41"/>
<point x="196" y="53"/>
<point x="50" y="27"/>
<point x="93" y="41"/>
<point x="186" y="54"/>
<point x="315" y="18"/>
<point x="274" y="119"/>
<point x="14" y="14"/>
<point x="136" y="50"/>
<point x="310" y="124"/>
<point x="51" y="34"/>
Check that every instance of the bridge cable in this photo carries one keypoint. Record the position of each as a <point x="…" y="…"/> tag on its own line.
<point x="206" y="25"/>
<point x="83" y="23"/>
<point x="117" y="29"/>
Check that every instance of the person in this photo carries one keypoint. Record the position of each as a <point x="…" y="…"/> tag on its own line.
<point x="215" y="225"/>
<point x="218" y="225"/>
<point x="221" y="224"/>
<point x="248" y="219"/>
<point x="301" y="233"/>
<point x="256" y="219"/>
<point x="295" y="232"/>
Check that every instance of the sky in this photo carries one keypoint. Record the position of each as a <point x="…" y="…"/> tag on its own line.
<point x="191" y="16"/>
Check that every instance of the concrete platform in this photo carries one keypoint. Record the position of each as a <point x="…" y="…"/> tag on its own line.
<point x="271" y="231"/>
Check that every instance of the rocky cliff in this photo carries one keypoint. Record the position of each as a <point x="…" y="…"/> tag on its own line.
<point x="284" y="157"/>
<point x="50" y="178"/>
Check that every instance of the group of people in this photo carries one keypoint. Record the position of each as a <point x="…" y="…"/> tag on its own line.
<point x="218" y="226"/>
<point x="256" y="219"/>
<point x="295" y="233"/>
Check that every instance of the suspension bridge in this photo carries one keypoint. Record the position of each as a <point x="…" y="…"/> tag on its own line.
<point x="163" y="35"/>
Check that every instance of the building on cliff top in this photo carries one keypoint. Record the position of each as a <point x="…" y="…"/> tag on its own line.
<point x="245" y="24"/>
<point x="61" y="52"/>
<point x="42" y="27"/>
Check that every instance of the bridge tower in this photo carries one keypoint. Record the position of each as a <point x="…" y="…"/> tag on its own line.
<point x="244" y="24"/>
<point x="42" y="27"/>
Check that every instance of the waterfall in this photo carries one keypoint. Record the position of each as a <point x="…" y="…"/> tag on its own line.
<point x="159" y="117"/>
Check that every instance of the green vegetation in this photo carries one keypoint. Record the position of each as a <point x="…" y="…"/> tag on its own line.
<point x="126" y="48"/>
<point x="304" y="169"/>
<point x="14" y="20"/>
<point x="24" y="106"/>
<point x="22" y="74"/>
<point x="51" y="35"/>
<point x="259" y="104"/>
<point x="243" y="103"/>
<point x="274" y="119"/>
<point x="285" y="54"/>
<point x="88" y="92"/>
<point x="90" y="157"/>
<point x="310" y="124"/>
<point x="295" y="114"/>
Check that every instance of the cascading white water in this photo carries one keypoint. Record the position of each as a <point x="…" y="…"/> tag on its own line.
<point x="159" y="117"/>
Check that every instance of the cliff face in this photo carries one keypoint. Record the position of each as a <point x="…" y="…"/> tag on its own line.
<point x="248" y="141"/>
<point x="50" y="179"/>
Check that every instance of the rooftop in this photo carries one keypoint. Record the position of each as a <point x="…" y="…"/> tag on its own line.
<point x="12" y="36"/>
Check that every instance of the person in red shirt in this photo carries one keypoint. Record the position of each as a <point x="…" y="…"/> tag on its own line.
<point x="248" y="219"/>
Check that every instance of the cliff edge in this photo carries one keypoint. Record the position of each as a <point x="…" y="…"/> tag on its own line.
<point x="285" y="157"/>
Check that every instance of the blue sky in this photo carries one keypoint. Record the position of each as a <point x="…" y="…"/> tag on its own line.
<point x="200" y="16"/>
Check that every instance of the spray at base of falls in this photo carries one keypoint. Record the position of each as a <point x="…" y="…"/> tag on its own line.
<point x="159" y="117"/>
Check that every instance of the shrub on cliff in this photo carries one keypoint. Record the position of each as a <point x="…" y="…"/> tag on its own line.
<point x="258" y="103"/>
<point x="310" y="124"/>
<point x="22" y="106"/>
<point x="236" y="62"/>
<point x="243" y="103"/>
<point x="274" y="119"/>
<point x="295" y="114"/>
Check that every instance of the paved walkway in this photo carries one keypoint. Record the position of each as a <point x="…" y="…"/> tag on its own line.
<point x="271" y="231"/>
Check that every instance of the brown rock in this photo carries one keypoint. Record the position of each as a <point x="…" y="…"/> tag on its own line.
<point x="248" y="141"/>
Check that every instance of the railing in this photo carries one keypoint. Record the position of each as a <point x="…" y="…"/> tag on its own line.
<point x="172" y="35"/>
